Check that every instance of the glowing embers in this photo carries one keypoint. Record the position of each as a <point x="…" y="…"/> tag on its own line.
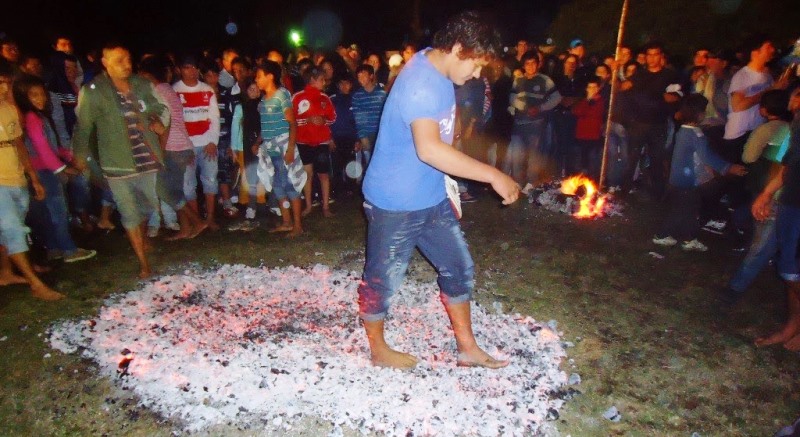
<point x="264" y="348"/>
<point x="591" y="202"/>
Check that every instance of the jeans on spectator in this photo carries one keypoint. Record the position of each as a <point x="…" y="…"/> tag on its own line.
<point x="787" y="224"/>
<point x="50" y="216"/>
<point x="171" y="178"/>
<point x="281" y="187"/>
<point x="206" y="169"/>
<point x="525" y="152"/>
<point x="684" y="207"/>
<point x="13" y="207"/>
<point x="617" y="160"/>
<point x="566" y="152"/>
<point x="652" y="137"/>
<point x="392" y="237"/>
<point x="80" y="197"/>
<point x="763" y="247"/>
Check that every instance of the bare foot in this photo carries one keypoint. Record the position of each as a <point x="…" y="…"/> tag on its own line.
<point x="44" y="292"/>
<point x="307" y="211"/>
<point x="145" y="273"/>
<point x="8" y="278"/>
<point x="212" y="226"/>
<point x="198" y="230"/>
<point x="294" y="233"/>
<point x="106" y="226"/>
<point x="41" y="269"/>
<point x="394" y="359"/>
<point x="180" y="235"/>
<point x="774" y="338"/>
<point x="793" y="344"/>
<point x="327" y="213"/>
<point x="281" y="228"/>
<point x="479" y="358"/>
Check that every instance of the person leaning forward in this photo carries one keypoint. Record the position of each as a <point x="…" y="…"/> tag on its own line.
<point x="121" y="122"/>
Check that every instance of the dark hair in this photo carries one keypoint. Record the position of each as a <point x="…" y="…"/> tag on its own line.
<point x="157" y="66"/>
<point x="366" y="67"/>
<point x="476" y="36"/>
<point x="271" y="67"/>
<point x="6" y="70"/>
<point x="312" y="73"/>
<point x="693" y="107"/>
<point x="242" y="60"/>
<point x="594" y="79"/>
<point x="606" y="67"/>
<point x="530" y="54"/>
<point x="112" y="45"/>
<point x="23" y="85"/>
<point x="653" y="45"/>
<point x="776" y="102"/>
<point x="207" y="65"/>
<point x="755" y="41"/>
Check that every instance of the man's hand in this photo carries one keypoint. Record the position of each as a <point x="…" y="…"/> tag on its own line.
<point x="332" y="146"/>
<point x="316" y="120"/>
<point x="288" y="158"/>
<point x="211" y="152"/>
<point x="157" y="126"/>
<point x="762" y="207"/>
<point x="38" y="190"/>
<point x="506" y="187"/>
<point x="737" y="170"/>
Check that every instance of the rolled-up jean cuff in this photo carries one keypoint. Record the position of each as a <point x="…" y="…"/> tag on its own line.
<point x="372" y="317"/>
<point x="790" y="277"/>
<point x="455" y="300"/>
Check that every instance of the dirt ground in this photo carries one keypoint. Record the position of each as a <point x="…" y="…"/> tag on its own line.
<point x="648" y="334"/>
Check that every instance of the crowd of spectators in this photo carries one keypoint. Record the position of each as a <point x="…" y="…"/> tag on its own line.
<point x="175" y="142"/>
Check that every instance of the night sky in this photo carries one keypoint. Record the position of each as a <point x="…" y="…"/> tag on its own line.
<point x="184" y="25"/>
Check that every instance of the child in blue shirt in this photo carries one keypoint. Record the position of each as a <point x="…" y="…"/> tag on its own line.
<point x="692" y="165"/>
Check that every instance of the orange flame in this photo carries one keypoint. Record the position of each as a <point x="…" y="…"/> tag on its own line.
<point x="592" y="203"/>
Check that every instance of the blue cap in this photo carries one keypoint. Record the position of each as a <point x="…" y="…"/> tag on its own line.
<point x="575" y="43"/>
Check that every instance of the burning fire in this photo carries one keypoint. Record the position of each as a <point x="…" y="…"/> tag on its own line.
<point x="592" y="203"/>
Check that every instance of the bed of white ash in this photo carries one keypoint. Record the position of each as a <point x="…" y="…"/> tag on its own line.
<point x="265" y="349"/>
<point x="550" y="197"/>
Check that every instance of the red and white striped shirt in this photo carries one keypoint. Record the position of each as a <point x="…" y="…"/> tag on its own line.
<point x="200" y="112"/>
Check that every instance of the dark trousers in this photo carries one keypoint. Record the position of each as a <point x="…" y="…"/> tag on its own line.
<point x="651" y="139"/>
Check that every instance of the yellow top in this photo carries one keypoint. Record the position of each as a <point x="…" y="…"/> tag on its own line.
<point x="11" y="171"/>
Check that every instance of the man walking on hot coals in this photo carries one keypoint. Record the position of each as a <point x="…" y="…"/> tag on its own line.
<point x="406" y="203"/>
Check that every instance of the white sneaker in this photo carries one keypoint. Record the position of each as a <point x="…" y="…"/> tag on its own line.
<point x="250" y="214"/>
<point x="666" y="241"/>
<point x="276" y="211"/>
<point x="248" y="225"/>
<point x="152" y="231"/>
<point x="694" y="246"/>
<point x="173" y="227"/>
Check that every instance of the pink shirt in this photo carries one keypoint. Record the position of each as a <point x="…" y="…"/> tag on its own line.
<point x="47" y="156"/>
<point x="178" y="139"/>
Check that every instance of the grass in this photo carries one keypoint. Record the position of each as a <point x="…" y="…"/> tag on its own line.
<point x="647" y="336"/>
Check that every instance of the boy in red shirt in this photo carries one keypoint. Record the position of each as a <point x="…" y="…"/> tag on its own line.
<point x="315" y="114"/>
<point x="590" y="113"/>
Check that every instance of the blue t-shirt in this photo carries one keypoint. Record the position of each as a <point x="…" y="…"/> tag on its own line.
<point x="396" y="179"/>
<point x="271" y="111"/>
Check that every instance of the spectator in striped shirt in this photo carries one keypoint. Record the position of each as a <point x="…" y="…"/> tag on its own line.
<point x="201" y="116"/>
<point x="367" y="108"/>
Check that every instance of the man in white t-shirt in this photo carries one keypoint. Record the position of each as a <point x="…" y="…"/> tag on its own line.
<point x="747" y="86"/>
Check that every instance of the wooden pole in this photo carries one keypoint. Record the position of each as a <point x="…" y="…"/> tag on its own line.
<point x="614" y="89"/>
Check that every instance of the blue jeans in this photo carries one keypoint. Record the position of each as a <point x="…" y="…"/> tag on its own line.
<point x="79" y="194"/>
<point x="207" y="169"/>
<point x="50" y="217"/>
<point x="13" y="207"/>
<point x="787" y="223"/>
<point x="763" y="247"/>
<point x="391" y="239"/>
<point x="281" y="187"/>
